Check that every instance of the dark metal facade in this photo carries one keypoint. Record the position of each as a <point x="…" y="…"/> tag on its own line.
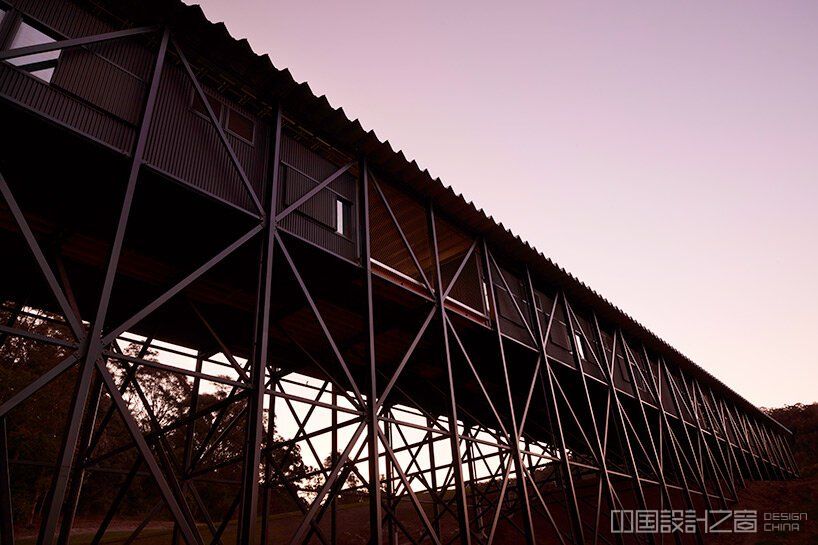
<point x="477" y="393"/>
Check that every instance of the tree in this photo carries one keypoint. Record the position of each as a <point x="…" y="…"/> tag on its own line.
<point x="802" y="420"/>
<point x="36" y="428"/>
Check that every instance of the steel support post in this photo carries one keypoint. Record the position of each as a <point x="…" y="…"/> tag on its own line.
<point x="764" y="447"/>
<point x="694" y="397"/>
<point x="788" y="447"/>
<point x="745" y="471"/>
<point x="698" y="472"/>
<point x="375" y="505"/>
<point x="781" y="443"/>
<point x="751" y="447"/>
<point x="334" y="459"/>
<point x="607" y="372"/>
<point x="78" y="474"/>
<point x="735" y="468"/>
<point x="268" y="459"/>
<point x="775" y="452"/>
<point x="93" y="347"/>
<point x="391" y="529"/>
<point x="601" y="450"/>
<point x="454" y="432"/>
<point x="187" y="454"/>
<point x="6" y="511"/>
<point x="665" y="424"/>
<point x="475" y="501"/>
<point x="751" y="444"/>
<point x="727" y="476"/>
<point x="550" y="396"/>
<point x="514" y="440"/>
<point x="656" y="456"/>
<point x="433" y="477"/>
<point x="86" y="433"/>
<point x="247" y="524"/>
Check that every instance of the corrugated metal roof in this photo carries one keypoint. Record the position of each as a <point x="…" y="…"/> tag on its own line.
<point x="259" y="78"/>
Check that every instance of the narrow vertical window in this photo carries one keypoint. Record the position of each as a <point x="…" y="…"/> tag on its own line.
<point x="341" y="216"/>
<point x="579" y="345"/>
<point x="40" y="65"/>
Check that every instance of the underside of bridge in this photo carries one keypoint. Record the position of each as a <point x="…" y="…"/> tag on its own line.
<point x="224" y="298"/>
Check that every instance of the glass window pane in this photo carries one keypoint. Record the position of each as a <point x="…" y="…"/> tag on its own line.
<point x="40" y="65"/>
<point x="45" y="74"/>
<point x="580" y="346"/>
<point x="340" y="212"/>
<point x="240" y="125"/>
<point x="27" y="35"/>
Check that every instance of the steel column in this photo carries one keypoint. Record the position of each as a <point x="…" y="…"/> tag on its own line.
<point x="453" y="422"/>
<point x="373" y="425"/>
<point x="514" y="439"/>
<point x="247" y="524"/>
<point x="6" y="511"/>
<point x="93" y="348"/>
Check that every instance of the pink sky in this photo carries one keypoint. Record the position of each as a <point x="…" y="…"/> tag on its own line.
<point x="666" y="154"/>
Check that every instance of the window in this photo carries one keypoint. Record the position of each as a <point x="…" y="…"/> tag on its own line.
<point x="40" y="65"/>
<point x="559" y="334"/>
<point x="342" y="219"/>
<point x="240" y="125"/>
<point x="580" y="346"/>
<point x="236" y="123"/>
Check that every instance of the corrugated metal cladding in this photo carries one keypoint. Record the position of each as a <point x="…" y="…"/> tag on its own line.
<point x="387" y="246"/>
<point x="315" y="220"/>
<point x="90" y="76"/>
<point x="641" y="373"/>
<point x="88" y="83"/>
<point x="469" y="286"/>
<point x="65" y="17"/>
<point x="31" y="92"/>
<point x="71" y="21"/>
<point x="453" y="244"/>
<point x="111" y="75"/>
<point x="560" y="344"/>
<point x="186" y="145"/>
<point x="413" y="220"/>
<point x="99" y="91"/>
<point x="511" y="322"/>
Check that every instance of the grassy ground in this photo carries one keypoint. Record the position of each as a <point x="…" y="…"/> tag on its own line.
<point x="800" y="496"/>
<point x="282" y="525"/>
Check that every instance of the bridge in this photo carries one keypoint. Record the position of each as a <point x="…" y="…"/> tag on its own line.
<point x="177" y="210"/>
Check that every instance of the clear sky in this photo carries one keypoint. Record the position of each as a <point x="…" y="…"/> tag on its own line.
<point x="664" y="153"/>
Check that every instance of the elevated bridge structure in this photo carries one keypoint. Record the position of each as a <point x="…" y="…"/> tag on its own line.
<point x="174" y="205"/>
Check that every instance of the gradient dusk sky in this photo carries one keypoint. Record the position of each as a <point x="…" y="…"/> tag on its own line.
<point x="664" y="153"/>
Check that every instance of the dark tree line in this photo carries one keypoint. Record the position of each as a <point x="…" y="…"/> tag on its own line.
<point x="35" y="433"/>
<point x="802" y="420"/>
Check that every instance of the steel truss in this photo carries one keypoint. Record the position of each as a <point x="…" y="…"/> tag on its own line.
<point x="439" y="477"/>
